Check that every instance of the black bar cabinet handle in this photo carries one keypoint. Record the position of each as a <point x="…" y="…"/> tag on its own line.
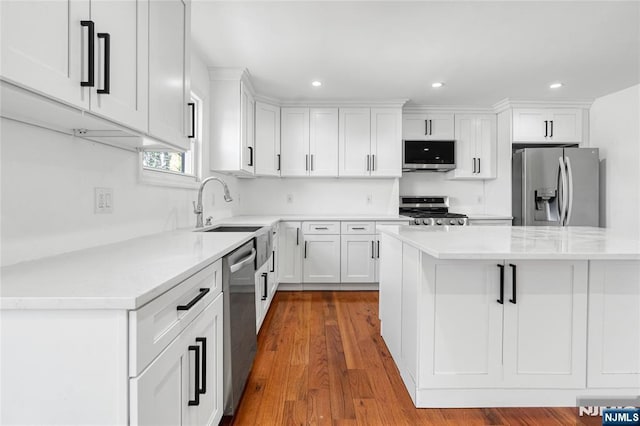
<point x="203" y="292"/>
<point x="513" y="283"/>
<point x="279" y="162"/>
<point x="305" y="249"/>
<point x="501" y="299"/>
<point x="551" y="134"/>
<point x="426" y="127"/>
<point x="474" y="164"/>
<point x="107" y="64"/>
<point x="373" y="163"/>
<point x="546" y="127"/>
<point x="378" y="251"/>
<point x="192" y="105"/>
<point x="196" y="399"/>
<point x="250" y="156"/>
<point x="203" y="388"/>
<point x="273" y="265"/>
<point x="430" y="127"/>
<point x="91" y="54"/>
<point x="297" y="236"/>
<point x="479" y="165"/>
<point x="373" y="249"/>
<point x="264" y="285"/>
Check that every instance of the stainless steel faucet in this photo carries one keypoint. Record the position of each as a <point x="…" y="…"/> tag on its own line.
<point x="197" y="208"/>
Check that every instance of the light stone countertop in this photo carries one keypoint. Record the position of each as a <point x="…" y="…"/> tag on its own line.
<point x="517" y="242"/>
<point x="488" y="216"/>
<point x="128" y="274"/>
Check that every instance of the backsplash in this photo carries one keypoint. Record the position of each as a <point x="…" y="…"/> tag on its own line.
<point x="467" y="197"/>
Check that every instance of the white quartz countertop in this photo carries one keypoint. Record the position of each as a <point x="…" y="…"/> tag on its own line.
<point x="488" y="216"/>
<point x="517" y="242"/>
<point x="125" y="275"/>
<point x="269" y="220"/>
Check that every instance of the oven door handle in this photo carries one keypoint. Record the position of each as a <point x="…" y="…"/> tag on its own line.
<point x="237" y="266"/>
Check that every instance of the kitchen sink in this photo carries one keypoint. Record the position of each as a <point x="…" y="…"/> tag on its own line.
<point x="234" y="229"/>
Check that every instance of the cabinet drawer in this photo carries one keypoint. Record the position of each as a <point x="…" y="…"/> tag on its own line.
<point x="311" y="228"/>
<point x="155" y="325"/>
<point x="358" y="227"/>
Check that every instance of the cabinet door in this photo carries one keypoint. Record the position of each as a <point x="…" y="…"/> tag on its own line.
<point x="485" y="144"/>
<point x="159" y="395"/>
<point x="358" y="259"/>
<point x="44" y="47"/>
<point x="614" y="321"/>
<point x="466" y="161"/>
<point x="386" y="142"/>
<point x="168" y="66"/>
<point x="441" y="127"/>
<point x="126" y="23"/>
<point x="290" y="252"/>
<point x="415" y="127"/>
<point x="321" y="259"/>
<point x="529" y="125"/>
<point x="267" y="140"/>
<point x="323" y="142"/>
<point x="545" y="329"/>
<point x="463" y="319"/>
<point x="390" y="302"/>
<point x="295" y="141"/>
<point x="355" y="142"/>
<point x="565" y="125"/>
<point x="247" y="130"/>
<point x="262" y="294"/>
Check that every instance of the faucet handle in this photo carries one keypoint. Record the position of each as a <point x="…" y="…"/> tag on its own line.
<point x="208" y="220"/>
<point x="196" y="209"/>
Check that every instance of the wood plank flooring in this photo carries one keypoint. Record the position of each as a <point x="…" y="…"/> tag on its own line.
<point x="321" y="361"/>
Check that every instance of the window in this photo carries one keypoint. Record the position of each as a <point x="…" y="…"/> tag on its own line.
<point x="168" y="167"/>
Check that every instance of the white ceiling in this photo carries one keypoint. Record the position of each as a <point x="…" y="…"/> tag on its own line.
<point x="365" y="50"/>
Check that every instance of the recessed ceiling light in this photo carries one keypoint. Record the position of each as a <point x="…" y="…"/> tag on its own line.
<point x="438" y="84"/>
<point x="316" y="83"/>
<point x="555" y="85"/>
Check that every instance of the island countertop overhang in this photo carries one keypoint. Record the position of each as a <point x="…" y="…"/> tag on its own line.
<point x="517" y="242"/>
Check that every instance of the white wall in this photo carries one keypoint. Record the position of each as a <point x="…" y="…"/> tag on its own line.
<point x="464" y="196"/>
<point x="615" y="130"/>
<point x="319" y="196"/>
<point x="47" y="187"/>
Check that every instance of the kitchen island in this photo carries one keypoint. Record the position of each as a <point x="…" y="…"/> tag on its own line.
<point x="511" y="316"/>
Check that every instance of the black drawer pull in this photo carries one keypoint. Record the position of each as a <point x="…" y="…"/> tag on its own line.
<point x="192" y="106"/>
<point x="546" y="128"/>
<point x="279" y="162"/>
<point x="358" y="228"/>
<point x="250" y="156"/>
<point x="91" y="54"/>
<point x="203" y="388"/>
<point x="107" y="64"/>
<point x="203" y="292"/>
<point x="513" y="283"/>
<point x="273" y="265"/>
<point x="196" y="399"/>
<point x="501" y="299"/>
<point x="264" y="285"/>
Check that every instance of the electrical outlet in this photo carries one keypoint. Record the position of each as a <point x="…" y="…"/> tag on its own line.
<point x="289" y="198"/>
<point x="103" y="200"/>
<point x="369" y="198"/>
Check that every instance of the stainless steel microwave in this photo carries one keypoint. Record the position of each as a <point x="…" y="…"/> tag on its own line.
<point x="437" y="156"/>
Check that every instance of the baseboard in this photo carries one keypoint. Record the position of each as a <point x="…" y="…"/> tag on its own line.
<point x="328" y="286"/>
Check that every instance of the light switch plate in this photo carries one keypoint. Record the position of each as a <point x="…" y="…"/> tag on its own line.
<point x="103" y="200"/>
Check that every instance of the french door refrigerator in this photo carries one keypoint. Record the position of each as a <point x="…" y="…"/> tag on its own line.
<point x="555" y="187"/>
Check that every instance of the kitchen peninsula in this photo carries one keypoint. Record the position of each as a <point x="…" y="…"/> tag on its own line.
<point x="511" y="316"/>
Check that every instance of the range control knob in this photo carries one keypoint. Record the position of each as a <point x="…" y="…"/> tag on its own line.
<point x="439" y="222"/>
<point x="461" y="221"/>
<point x="416" y="221"/>
<point x="452" y="222"/>
<point x="426" y="222"/>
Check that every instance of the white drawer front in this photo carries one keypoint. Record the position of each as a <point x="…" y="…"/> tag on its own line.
<point x="358" y="227"/>
<point x="311" y="228"/>
<point x="155" y="325"/>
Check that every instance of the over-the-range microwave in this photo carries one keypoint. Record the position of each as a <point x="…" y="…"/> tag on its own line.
<point x="438" y="156"/>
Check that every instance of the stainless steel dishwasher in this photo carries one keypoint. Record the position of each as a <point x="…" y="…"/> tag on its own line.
<point x="240" y="342"/>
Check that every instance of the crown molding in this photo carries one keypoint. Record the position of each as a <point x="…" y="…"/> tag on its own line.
<point x="468" y="109"/>
<point x="507" y="103"/>
<point x="381" y="103"/>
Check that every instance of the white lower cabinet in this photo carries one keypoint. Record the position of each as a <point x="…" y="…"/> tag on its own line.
<point x="289" y="252"/>
<point x="358" y="259"/>
<point x="390" y="293"/>
<point x="614" y="321"/>
<point x="321" y="259"/>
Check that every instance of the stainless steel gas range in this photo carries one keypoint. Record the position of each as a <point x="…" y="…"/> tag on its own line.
<point x="430" y="210"/>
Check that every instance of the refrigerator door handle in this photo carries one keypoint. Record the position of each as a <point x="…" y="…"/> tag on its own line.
<point x="570" y="188"/>
<point x="563" y="201"/>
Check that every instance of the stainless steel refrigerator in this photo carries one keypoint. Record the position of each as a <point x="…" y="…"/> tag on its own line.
<point x="555" y="187"/>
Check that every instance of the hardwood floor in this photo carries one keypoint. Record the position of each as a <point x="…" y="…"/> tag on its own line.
<point x="321" y="361"/>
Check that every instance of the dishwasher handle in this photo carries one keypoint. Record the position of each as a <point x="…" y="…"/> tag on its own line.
<point x="237" y="266"/>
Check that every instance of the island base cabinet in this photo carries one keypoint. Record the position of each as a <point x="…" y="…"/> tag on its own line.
<point x="390" y="301"/>
<point x="183" y="386"/>
<point x="614" y="325"/>
<point x="461" y="332"/>
<point x="545" y="324"/>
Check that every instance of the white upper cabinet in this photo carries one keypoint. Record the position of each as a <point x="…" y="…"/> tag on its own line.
<point x="475" y="147"/>
<point x="169" y="71"/>
<point x="44" y="47"/>
<point x="323" y="142"/>
<point x="355" y="142"/>
<point x="386" y="142"/>
<point x="294" y="142"/>
<point x="553" y="125"/>
<point x="428" y="126"/>
<point x="232" y="123"/>
<point x="267" y="140"/>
